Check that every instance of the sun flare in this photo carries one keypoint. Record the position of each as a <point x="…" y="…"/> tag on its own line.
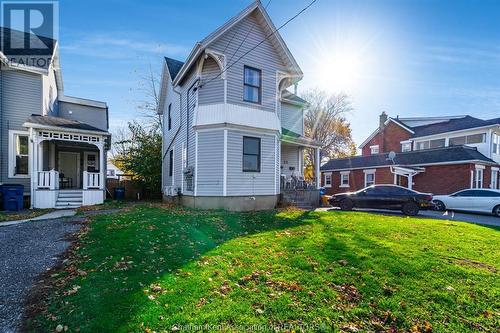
<point x="339" y="72"/>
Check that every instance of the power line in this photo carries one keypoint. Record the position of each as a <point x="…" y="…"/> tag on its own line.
<point x="248" y="34"/>
<point x="262" y="41"/>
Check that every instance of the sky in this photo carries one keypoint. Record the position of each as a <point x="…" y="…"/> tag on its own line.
<point x="405" y="57"/>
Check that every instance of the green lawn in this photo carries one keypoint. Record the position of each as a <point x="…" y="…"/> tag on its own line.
<point x="157" y="268"/>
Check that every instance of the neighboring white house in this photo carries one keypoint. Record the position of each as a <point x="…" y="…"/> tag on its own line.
<point x="113" y="171"/>
<point x="232" y="131"/>
<point x="54" y="145"/>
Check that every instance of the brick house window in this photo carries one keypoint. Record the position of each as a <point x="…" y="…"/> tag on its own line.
<point x="374" y="149"/>
<point x="344" y="179"/>
<point x="406" y="146"/>
<point x="477" y="181"/>
<point x="369" y="177"/>
<point x="328" y="179"/>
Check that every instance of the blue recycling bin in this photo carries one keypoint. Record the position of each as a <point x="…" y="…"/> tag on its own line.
<point x="12" y="195"/>
<point x="119" y="193"/>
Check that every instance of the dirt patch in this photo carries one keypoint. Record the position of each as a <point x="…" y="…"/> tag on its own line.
<point x="471" y="263"/>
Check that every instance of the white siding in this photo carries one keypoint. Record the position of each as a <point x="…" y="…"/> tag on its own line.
<point x="265" y="58"/>
<point x="241" y="183"/>
<point x="21" y="96"/>
<point x="212" y="90"/>
<point x="289" y="158"/>
<point x="210" y="163"/>
<point x="292" y="118"/>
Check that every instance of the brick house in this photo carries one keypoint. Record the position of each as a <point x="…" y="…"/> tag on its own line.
<point x="439" y="155"/>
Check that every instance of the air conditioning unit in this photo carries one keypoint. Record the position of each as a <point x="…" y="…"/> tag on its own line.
<point x="170" y="191"/>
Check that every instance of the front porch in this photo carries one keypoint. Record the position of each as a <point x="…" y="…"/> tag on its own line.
<point x="67" y="167"/>
<point x="299" y="186"/>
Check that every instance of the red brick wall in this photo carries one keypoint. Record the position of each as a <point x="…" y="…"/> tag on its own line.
<point x="388" y="140"/>
<point x="439" y="179"/>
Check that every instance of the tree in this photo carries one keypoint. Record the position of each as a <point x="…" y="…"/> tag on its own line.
<point x="325" y="122"/>
<point x="137" y="149"/>
<point x="140" y="154"/>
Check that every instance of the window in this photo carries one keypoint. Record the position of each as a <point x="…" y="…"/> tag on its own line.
<point x="18" y="154"/>
<point x="468" y="139"/>
<point x="328" y="179"/>
<point x="374" y="149"/>
<point x="495" y="148"/>
<point x="369" y="177"/>
<point x="344" y="179"/>
<point x="252" y="82"/>
<point x="476" y="138"/>
<point x="171" y="163"/>
<point x="494" y="178"/>
<point x="422" y="145"/>
<point x="478" y="178"/>
<point x="251" y="154"/>
<point x="437" y="143"/>
<point x="406" y="146"/>
<point x="170" y="116"/>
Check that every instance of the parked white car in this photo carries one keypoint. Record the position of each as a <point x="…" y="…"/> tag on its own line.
<point x="472" y="200"/>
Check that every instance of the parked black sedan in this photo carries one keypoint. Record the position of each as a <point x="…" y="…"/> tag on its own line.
<point x="384" y="197"/>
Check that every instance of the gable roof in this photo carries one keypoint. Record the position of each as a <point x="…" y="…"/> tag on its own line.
<point x="274" y="37"/>
<point x="447" y="124"/>
<point x="452" y="125"/>
<point x="18" y="37"/>
<point x="394" y="120"/>
<point x="173" y="66"/>
<point x="418" y="157"/>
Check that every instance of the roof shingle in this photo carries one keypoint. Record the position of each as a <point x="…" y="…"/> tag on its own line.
<point x="419" y="157"/>
<point x="61" y="122"/>
<point x="174" y="66"/>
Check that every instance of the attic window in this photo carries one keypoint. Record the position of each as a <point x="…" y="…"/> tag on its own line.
<point x="374" y="149"/>
<point x="252" y="82"/>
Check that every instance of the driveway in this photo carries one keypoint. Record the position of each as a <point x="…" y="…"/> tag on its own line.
<point x="482" y="219"/>
<point x="27" y="250"/>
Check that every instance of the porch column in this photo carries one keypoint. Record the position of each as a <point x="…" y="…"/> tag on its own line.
<point x="410" y="181"/>
<point x="32" y="162"/>
<point x="317" y="165"/>
<point x="101" y="165"/>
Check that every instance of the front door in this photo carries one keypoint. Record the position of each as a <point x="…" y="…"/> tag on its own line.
<point x="69" y="169"/>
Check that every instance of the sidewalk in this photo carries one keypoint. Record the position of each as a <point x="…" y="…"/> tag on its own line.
<point x="49" y="216"/>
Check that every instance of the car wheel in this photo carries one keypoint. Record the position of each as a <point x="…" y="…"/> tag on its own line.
<point x="496" y="211"/>
<point x="410" y="209"/>
<point x="440" y="206"/>
<point x="346" y="204"/>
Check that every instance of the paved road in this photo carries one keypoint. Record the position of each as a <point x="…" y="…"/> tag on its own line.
<point x="483" y="219"/>
<point x="26" y="250"/>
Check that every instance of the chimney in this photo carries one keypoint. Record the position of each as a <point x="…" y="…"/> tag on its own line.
<point x="382" y="119"/>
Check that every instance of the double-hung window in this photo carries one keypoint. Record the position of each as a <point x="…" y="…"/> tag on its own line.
<point x="251" y="154"/>
<point x="18" y="154"/>
<point x="344" y="179"/>
<point x="328" y="179"/>
<point x="252" y="85"/>
<point x="478" y="177"/>
<point x="369" y="177"/>
<point x="170" y="116"/>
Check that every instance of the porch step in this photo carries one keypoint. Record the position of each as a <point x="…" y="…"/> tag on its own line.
<point x="69" y="199"/>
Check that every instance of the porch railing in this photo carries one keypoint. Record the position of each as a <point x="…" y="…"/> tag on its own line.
<point x="91" y="180"/>
<point x="48" y="180"/>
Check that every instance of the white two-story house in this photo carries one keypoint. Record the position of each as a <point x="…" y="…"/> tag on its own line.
<point x="232" y="132"/>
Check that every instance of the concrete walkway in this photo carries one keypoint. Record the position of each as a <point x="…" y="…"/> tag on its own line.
<point x="57" y="214"/>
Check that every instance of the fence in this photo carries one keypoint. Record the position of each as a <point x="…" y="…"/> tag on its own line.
<point x="134" y="189"/>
